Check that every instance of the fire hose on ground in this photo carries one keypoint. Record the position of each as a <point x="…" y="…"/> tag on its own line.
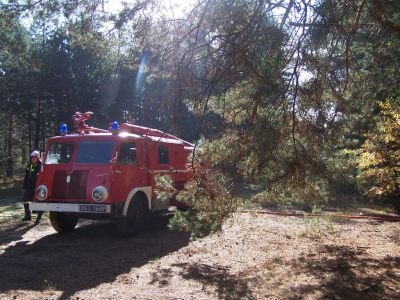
<point x="383" y="218"/>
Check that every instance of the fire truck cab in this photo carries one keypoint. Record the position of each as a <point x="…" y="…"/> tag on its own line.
<point x="100" y="174"/>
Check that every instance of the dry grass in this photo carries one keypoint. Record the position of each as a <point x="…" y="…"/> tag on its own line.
<point x="254" y="257"/>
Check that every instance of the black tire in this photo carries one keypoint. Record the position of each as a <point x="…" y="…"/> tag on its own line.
<point x="136" y="217"/>
<point x="62" y="222"/>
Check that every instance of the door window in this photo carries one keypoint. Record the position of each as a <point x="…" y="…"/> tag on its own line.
<point x="59" y="153"/>
<point x="163" y="155"/>
<point x="127" y="153"/>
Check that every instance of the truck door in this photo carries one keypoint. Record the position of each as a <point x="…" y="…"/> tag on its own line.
<point x="127" y="174"/>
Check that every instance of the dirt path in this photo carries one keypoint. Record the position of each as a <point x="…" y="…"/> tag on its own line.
<point x="255" y="257"/>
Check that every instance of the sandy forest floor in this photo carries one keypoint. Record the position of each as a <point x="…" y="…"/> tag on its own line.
<point x="255" y="257"/>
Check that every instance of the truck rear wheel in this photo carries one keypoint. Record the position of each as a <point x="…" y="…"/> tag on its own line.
<point x="62" y="222"/>
<point x="135" y="219"/>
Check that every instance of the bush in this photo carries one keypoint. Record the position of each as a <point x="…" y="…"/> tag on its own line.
<point x="209" y="200"/>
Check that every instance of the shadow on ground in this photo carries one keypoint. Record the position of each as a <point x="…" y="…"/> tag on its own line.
<point x="14" y="232"/>
<point x="228" y="286"/>
<point x="348" y="273"/>
<point x="83" y="259"/>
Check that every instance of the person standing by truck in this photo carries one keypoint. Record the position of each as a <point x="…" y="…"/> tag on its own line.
<point x="31" y="173"/>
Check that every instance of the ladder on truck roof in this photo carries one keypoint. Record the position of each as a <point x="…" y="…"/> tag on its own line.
<point x="82" y="128"/>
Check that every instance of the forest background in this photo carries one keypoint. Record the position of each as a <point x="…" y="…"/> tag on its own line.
<point x="295" y="100"/>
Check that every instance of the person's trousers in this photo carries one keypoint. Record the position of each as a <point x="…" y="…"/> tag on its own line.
<point x="27" y="211"/>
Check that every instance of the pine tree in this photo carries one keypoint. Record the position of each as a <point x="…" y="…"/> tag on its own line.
<point x="379" y="159"/>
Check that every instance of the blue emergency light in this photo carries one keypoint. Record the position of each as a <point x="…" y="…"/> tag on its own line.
<point x="63" y="129"/>
<point x="115" y="127"/>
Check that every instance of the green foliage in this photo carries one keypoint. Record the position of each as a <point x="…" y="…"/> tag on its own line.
<point x="11" y="208"/>
<point x="164" y="187"/>
<point x="210" y="204"/>
<point x="199" y="225"/>
<point x="303" y="193"/>
<point x="379" y="160"/>
<point x="317" y="227"/>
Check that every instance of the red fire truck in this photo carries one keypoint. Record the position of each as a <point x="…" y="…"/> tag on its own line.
<point x="100" y="174"/>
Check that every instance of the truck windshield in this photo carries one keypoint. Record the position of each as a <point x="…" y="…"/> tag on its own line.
<point x="59" y="153"/>
<point x="95" y="152"/>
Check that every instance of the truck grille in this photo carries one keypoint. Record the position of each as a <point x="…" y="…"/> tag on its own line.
<point x="75" y="189"/>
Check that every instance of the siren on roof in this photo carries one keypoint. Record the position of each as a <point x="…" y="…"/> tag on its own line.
<point x="63" y="129"/>
<point x="115" y="127"/>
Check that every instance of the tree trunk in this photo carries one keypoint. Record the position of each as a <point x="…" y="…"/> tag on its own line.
<point x="24" y="153"/>
<point x="37" y="125"/>
<point x="42" y="132"/>
<point x="30" y="131"/>
<point x="9" y="159"/>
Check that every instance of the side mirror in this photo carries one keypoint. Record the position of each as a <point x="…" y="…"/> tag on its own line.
<point x="115" y="158"/>
<point x="41" y="152"/>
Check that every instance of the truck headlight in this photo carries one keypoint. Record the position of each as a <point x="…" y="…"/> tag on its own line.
<point x="99" y="194"/>
<point x="41" y="192"/>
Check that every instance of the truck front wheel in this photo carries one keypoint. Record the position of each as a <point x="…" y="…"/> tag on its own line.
<point x="135" y="219"/>
<point x="63" y="222"/>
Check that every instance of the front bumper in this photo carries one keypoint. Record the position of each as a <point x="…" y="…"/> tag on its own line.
<point x="71" y="207"/>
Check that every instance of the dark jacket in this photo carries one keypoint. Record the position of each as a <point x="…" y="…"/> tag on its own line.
<point x="31" y="174"/>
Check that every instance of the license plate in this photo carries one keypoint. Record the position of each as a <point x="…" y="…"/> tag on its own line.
<point x="95" y="208"/>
